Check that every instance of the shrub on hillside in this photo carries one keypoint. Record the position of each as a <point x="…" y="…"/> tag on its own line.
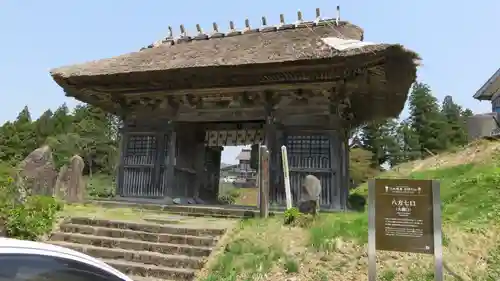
<point x="29" y="220"/>
<point x="32" y="219"/>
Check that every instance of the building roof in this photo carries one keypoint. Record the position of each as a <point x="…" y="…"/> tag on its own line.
<point x="326" y="54"/>
<point x="490" y="88"/>
<point x="245" y="154"/>
<point x="265" y="45"/>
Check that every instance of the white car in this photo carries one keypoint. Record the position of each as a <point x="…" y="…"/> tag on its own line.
<point x="34" y="261"/>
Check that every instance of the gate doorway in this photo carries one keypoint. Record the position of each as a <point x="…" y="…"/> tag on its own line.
<point x="237" y="181"/>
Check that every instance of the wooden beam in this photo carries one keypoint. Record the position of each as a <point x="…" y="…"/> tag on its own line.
<point x="267" y="76"/>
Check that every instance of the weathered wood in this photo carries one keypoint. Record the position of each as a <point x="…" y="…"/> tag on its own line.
<point x="171" y="159"/>
<point x="264" y="181"/>
<point x="159" y="161"/>
<point x="121" y="165"/>
<point x="347" y="178"/>
<point x="199" y="160"/>
<point x="270" y="139"/>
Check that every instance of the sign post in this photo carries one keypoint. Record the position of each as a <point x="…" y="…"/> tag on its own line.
<point x="405" y="216"/>
<point x="286" y="177"/>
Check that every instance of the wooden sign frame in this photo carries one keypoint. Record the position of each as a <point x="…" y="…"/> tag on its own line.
<point x="406" y="219"/>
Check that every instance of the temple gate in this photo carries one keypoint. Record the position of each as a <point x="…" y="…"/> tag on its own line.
<point x="305" y="85"/>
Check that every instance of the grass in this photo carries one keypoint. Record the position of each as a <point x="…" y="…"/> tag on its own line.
<point x="334" y="246"/>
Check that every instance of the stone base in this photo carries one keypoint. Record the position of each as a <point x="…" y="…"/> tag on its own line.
<point x="308" y="207"/>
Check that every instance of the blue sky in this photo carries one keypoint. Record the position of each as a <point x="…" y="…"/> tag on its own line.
<point x="458" y="40"/>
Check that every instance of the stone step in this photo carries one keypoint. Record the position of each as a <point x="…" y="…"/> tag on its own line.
<point x="205" y="241"/>
<point x="152" y="271"/>
<point x="149" y="227"/>
<point x="145" y="257"/>
<point x="186" y="210"/>
<point x="211" y="211"/>
<point x="128" y="244"/>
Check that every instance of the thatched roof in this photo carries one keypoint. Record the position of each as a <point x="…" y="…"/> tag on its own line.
<point x="251" y="57"/>
<point x="264" y="46"/>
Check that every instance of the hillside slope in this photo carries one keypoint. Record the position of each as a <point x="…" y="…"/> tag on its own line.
<point x="334" y="247"/>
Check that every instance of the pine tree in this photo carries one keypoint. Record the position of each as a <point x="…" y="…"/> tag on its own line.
<point x="456" y="131"/>
<point x="24" y="129"/>
<point x="62" y="120"/>
<point x="378" y="137"/>
<point x="44" y="127"/>
<point x="408" y="147"/>
<point x="426" y="120"/>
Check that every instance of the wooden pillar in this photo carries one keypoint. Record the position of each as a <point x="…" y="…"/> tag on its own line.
<point x="270" y="142"/>
<point x="199" y="160"/>
<point x="339" y="145"/>
<point x="159" y="160"/>
<point x="172" y="139"/>
<point x="345" y="179"/>
<point x="121" y="166"/>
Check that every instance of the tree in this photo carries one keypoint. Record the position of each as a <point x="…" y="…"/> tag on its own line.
<point x="360" y="165"/>
<point x="62" y="120"/>
<point x="378" y="137"/>
<point x="23" y="127"/>
<point x="426" y="120"/>
<point x="455" y="130"/>
<point x="44" y="127"/>
<point x="407" y="145"/>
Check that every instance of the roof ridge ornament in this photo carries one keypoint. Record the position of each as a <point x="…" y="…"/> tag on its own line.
<point x="201" y="35"/>
<point x="249" y="29"/>
<point x="318" y="16"/>
<point x="265" y="27"/>
<point x="337" y="18"/>
<point x="232" y="30"/>
<point x="216" y="33"/>
<point x="283" y="25"/>
<point x="184" y="35"/>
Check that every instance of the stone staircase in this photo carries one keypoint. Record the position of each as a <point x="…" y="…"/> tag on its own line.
<point x="145" y="251"/>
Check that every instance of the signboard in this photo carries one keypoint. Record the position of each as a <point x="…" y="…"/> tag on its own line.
<point x="403" y="219"/>
<point x="404" y="216"/>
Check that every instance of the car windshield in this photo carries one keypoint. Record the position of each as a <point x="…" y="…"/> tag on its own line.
<point x="23" y="267"/>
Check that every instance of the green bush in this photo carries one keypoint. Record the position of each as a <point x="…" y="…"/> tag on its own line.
<point x="229" y="197"/>
<point x="291" y="215"/>
<point x="32" y="219"/>
<point x="29" y="220"/>
<point x="101" y="186"/>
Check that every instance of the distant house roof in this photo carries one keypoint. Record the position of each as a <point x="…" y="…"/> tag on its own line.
<point x="244" y="154"/>
<point x="490" y="88"/>
<point x="228" y="167"/>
